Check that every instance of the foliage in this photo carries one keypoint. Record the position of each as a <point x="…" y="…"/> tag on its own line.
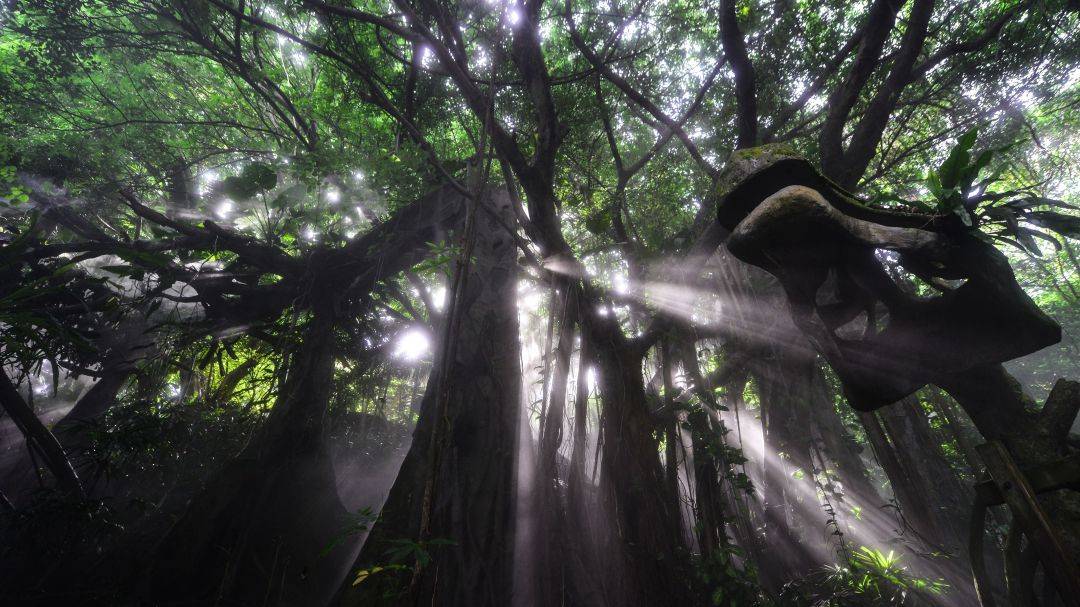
<point x="282" y="128"/>
<point x="359" y="523"/>
<point x="729" y="577"/>
<point x="952" y="183"/>
<point x="400" y="559"/>
<point x="1015" y="216"/>
<point x="869" y="578"/>
<point x="255" y="178"/>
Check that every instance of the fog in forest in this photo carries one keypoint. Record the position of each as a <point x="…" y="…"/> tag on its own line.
<point x="522" y="303"/>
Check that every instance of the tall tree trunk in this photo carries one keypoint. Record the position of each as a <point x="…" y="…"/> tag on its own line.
<point x="839" y="445"/>
<point x="913" y="504"/>
<point x="785" y="390"/>
<point x="178" y="182"/>
<point x="255" y="533"/>
<point x="672" y="432"/>
<point x="959" y="432"/>
<point x="553" y="543"/>
<point x="581" y="498"/>
<point x="633" y="483"/>
<point x="945" y="498"/>
<point x="267" y="528"/>
<point x="470" y="507"/>
<point x="717" y="499"/>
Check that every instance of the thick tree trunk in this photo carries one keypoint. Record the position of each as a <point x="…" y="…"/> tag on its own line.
<point x="945" y="499"/>
<point x="960" y="432"/>
<point x="255" y="533"/>
<point x="913" y="505"/>
<point x="942" y="496"/>
<point x="672" y="432"/>
<point x="179" y="184"/>
<point x="260" y="531"/>
<point x="470" y="507"/>
<point x="715" y="500"/>
<point x="840" y="446"/>
<point x="632" y="480"/>
<point x="791" y="522"/>
<point x="581" y="495"/>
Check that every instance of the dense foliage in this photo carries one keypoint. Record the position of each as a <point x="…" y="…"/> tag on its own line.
<point x="249" y="247"/>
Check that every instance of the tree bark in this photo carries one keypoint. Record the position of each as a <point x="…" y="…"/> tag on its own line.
<point x="933" y="480"/>
<point x="672" y="434"/>
<point x="875" y="33"/>
<point x="959" y="432"/>
<point x="471" y="501"/>
<point x="942" y="496"/>
<point x="784" y="391"/>
<point x="839" y="445"/>
<point x="716" y="502"/>
<point x="633" y="483"/>
<point x="745" y="87"/>
<point x="259" y="527"/>
<point x="553" y="544"/>
<point x="912" y="505"/>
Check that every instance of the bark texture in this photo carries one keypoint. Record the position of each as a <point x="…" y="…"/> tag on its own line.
<point x="257" y="530"/>
<point x="647" y="531"/>
<point x="471" y="501"/>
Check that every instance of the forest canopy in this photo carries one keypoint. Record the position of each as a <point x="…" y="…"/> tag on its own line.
<point x="512" y="302"/>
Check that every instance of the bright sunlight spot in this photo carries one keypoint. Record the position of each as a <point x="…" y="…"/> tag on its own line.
<point x="412" y="345"/>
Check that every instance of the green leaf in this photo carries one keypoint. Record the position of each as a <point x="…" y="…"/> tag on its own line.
<point x="967" y="140"/>
<point x="933" y="183"/>
<point x="969" y="173"/>
<point x="364" y="574"/>
<point x="983" y="160"/>
<point x="951" y="170"/>
<point x="964" y="215"/>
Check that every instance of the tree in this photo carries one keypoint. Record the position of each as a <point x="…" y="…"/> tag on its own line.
<point x="274" y="194"/>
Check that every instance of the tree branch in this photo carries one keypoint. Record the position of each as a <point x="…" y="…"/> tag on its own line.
<point x="745" y="87"/>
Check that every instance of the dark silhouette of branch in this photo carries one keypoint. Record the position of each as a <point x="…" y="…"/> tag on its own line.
<point x="39" y="436"/>
<point x="879" y="22"/>
<point x="634" y="95"/>
<point x="869" y="129"/>
<point x="745" y="86"/>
